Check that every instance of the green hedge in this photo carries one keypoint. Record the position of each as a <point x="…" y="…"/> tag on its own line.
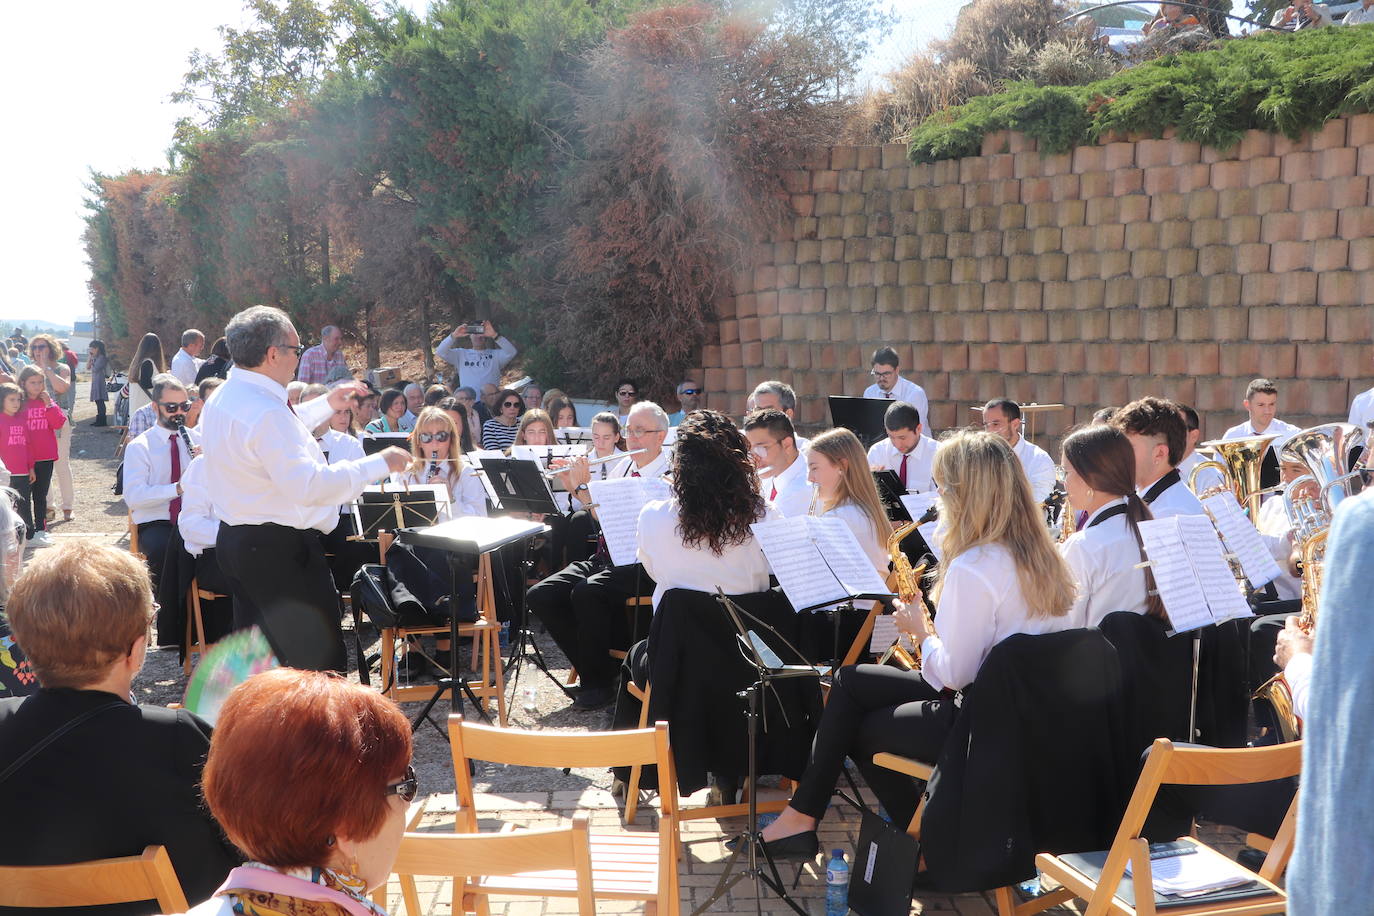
<point x="1275" y="82"/>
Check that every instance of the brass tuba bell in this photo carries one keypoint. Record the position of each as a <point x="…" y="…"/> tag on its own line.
<point x="1240" y="461"/>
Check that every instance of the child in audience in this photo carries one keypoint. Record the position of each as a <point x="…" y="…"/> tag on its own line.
<point x="14" y="449"/>
<point x="43" y="418"/>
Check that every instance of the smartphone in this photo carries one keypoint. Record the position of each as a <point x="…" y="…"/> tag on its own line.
<point x="476" y="327"/>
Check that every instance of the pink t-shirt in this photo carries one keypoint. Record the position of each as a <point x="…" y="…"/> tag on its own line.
<point x="14" y="443"/>
<point x="43" y="423"/>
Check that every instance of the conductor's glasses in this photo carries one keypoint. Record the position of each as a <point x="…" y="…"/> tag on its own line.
<point x="297" y="347"/>
<point x="440" y="436"/>
<point x="175" y="406"/>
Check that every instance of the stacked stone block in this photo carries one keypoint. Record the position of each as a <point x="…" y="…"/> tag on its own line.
<point x="1153" y="266"/>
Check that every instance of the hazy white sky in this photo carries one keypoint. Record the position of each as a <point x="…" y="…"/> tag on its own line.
<point x="93" y="95"/>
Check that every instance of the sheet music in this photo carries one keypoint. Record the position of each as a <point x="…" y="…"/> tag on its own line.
<point x="929" y="531"/>
<point x="919" y="503"/>
<point x="1219" y="585"/>
<point x="804" y="550"/>
<point x="884" y="633"/>
<point x="574" y="434"/>
<point x="1242" y="539"/>
<point x="1175" y="577"/>
<point x="619" y="501"/>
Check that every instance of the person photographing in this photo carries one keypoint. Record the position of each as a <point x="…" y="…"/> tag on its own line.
<point x="275" y="494"/>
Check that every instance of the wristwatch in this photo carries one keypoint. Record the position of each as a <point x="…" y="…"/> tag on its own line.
<point x="580" y="487"/>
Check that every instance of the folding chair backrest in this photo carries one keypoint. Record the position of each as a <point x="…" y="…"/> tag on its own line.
<point x="127" y="879"/>
<point x="475" y="855"/>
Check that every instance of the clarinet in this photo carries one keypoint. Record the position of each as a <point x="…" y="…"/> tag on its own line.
<point x="433" y="462"/>
<point x="185" y="436"/>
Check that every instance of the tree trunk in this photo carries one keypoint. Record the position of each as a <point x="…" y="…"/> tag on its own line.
<point x="324" y="255"/>
<point x="425" y="332"/>
<point x="374" y="348"/>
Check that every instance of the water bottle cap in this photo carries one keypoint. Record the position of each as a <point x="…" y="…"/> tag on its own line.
<point x="837" y="853"/>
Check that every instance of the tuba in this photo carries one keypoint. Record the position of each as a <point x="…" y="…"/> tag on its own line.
<point x="1276" y="691"/>
<point x="1239" y="462"/>
<point x="908" y="587"/>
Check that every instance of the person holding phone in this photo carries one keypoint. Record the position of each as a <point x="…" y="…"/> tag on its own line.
<point x="477" y="365"/>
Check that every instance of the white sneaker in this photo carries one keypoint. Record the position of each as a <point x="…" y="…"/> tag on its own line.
<point x="40" y="539"/>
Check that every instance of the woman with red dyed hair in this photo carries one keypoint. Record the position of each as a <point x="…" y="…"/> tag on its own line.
<point x="309" y="775"/>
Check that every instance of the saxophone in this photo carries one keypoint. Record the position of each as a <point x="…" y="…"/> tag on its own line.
<point x="908" y="587"/>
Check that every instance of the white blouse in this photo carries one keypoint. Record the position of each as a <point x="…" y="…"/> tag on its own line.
<point x="981" y="604"/>
<point x="741" y="569"/>
<point x="467" y="495"/>
<point x="1103" y="559"/>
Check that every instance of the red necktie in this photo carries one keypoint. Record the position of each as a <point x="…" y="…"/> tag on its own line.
<point x="773" y="496"/>
<point x="901" y="471"/>
<point x="635" y="472"/>
<point x="176" y="475"/>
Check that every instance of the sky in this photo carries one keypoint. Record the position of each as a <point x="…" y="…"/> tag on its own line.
<point x="93" y="95"/>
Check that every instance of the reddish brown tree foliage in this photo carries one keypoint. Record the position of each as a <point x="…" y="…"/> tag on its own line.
<point x="687" y="119"/>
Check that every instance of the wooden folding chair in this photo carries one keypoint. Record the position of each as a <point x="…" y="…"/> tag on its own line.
<point x="195" y="625"/>
<point x="631" y="607"/>
<point x="625" y="866"/>
<point x="485" y="633"/>
<point x="127" y="879"/>
<point x="561" y="856"/>
<point x="1169" y="765"/>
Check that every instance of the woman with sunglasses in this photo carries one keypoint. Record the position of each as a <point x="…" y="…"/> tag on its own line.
<point x="626" y="394"/>
<point x="47" y="355"/>
<point x="437" y="461"/>
<point x="310" y="776"/>
<point x="498" y="433"/>
<point x="393" y="409"/>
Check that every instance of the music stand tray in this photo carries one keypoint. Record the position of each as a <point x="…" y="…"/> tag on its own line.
<point x="519" y="486"/>
<point x="861" y="416"/>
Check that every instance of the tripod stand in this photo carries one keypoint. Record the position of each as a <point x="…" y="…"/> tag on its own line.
<point x="454" y="682"/>
<point x="523" y="647"/>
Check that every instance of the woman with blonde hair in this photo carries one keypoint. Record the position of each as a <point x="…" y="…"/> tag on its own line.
<point x="838" y="467"/>
<point x="434" y="442"/>
<point x="536" y="429"/>
<point x="1000" y="576"/>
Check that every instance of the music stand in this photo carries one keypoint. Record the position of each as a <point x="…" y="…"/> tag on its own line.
<point x="890" y="491"/>
<point x="464" y="540"/>
<point x="768" y="668"/>
<point x="386" y="510"/>
<point x="861" y="416"/>
<point x="375" y="442"/>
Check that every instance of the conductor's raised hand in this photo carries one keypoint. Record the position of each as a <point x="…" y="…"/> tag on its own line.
<point x="347" y="395"/>
<point x="397" y="459"/>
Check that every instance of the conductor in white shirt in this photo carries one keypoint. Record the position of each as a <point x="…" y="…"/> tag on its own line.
<point x="889" y="385"/>
<point x="905" y="451"/>
<point x="1157" y="436"/>
<point x="1003" y="417"/>
<point x="186" y="362"/>
<point x="153" y="465"/>
<point x="276" y="496"/>
<point x="773" y="446"/>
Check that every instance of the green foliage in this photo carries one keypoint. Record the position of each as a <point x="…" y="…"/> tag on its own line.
<point x="1282" y="83"/>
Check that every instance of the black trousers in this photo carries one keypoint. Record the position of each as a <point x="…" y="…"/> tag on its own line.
<point x="152" y="543"/>
<point x="19" y="483"/>
<point x="583" y="608"/>
<point x="280" y="580"/>
<point x="875" y="708"/>
<point x="38" y="493"/>
<point x="216" y="615"/>
<point x="99" y="413"/>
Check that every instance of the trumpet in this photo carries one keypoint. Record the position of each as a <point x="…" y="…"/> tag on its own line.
<point x="908" y="587"/>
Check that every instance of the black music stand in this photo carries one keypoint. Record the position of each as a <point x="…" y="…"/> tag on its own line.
<point x="861" y="416"/>
<point x="891" y="491"/>
<point x="464" y="540"/>
<point x="769" y="668"/>
<point x="388" y="510"/>
<point x="375" y="442"/>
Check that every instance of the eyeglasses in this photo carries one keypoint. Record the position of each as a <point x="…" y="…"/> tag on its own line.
<point x="638" y="431"/>
<point x="440" y="436"/>
<point x="407" y="788"/>
<point x="690" y="391"/>
<point x="512" y="404"/>
<point x="626" y="393"/>
<point x="175" y="407"/>
<point x="886" y="374"/>
<point x="298" y="348"/>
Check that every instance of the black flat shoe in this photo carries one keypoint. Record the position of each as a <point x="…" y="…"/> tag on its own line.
<point x="594" y="698"/>
<point x="804" y="845"/>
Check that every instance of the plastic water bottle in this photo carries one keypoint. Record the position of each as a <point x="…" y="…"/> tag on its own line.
<point x="836" y="884"/>
<point x="529" y="698"/>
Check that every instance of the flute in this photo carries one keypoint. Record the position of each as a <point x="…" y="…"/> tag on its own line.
<point x="592" y="461"/>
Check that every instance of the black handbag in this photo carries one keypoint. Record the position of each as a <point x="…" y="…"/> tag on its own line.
<point x="884" y="872"/>
<point x="387" y="602"/>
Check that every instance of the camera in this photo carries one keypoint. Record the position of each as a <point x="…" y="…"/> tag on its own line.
<point x="476" y="327"/>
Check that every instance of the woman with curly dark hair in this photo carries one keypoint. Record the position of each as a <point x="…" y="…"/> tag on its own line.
<point x="700" y="538"/>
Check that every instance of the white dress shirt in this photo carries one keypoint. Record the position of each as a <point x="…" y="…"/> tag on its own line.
<point x="981" y="604"/>
<point x="904" y="390"/>
<point x="148" y="486"/>
<point x="1103" y="559"/>
<point x="476" y="367"/>
<point x="626" y="466"/>
<point x="1362" y="409"/>
<point x="338" y="447"/>
<point x="920" y="461"/>
<point x="1276" y="531"/>
<point x="184" y="367"/>
<point x="1038" y="465"/>
<point x="264" y="466"/>
<point x="197" y="522"/>
<point x="789" y="492"/>
<point x="741" y="569"/>
<point x="1298" y="674"/>
<point x="1276" y="427"/>
<point x="1176" y="500"/>
<point x="467" y="497"/>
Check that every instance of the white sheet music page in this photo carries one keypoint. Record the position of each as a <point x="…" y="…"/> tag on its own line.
<point x="1214" y="574"/>
<point x="884" y="633"/>
<point x="919" y="503"/>
<point x="1242" y="539"/>
<point x="796" y="561"/>
<point x="1178" y="584"/>
<point x="841" y="553"/>
<point x="619" y="501"/>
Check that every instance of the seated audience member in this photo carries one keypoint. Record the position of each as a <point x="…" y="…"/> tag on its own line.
<point x="690" y="396"/>
<point x="392" y="407"/>
<point x="217" y="366"/>
<point x="476" y="413"/>
<point x="436" y="393"/>
<point x="368" y="407"/>
<point x="838" y="468"/>
<point x="626" y="396"/>
<point x="583" y="605"/>
<point x="459" y="414"/>
<point x="535" y="429"/>
<point x="1171" y="16"/>
<point x="153" y="465"/>
<point x="775" y="395"/>
<point x="105" y="777"/>
<point x="773" y="446"/>
<point x="563" y="413"/>
<point x="498" y="433"/>
<point x="533" y="396"/>
<point x="1003" y="417"/>
<point x="1360" y="15"/>
<point x="1000" y="576"/>
<point x="889" y="385"/>
<point x="488" y="401"/>
<point x="415" y="401"/>
<point x="905" y="450"/>
<point x="1156" y="433"/>
<point x="478" y="365"/>
<point x="1105" y="553"/>
<point x="311" y="777"/>
<point x="553" y="394"/>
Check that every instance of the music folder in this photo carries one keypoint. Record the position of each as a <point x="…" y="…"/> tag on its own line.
<point x="861" y="416"/>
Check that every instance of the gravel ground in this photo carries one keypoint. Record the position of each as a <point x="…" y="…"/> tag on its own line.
<point x="98" y="512"/>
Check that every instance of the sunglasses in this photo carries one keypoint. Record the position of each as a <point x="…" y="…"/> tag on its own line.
<point x="440" y="436"/>
<point x="690" y="391"/>
<point x="626" y="394"/>
<point x="175" y="407"/>
<point x="512" y="404"/>
<point x="407" y="788"/>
